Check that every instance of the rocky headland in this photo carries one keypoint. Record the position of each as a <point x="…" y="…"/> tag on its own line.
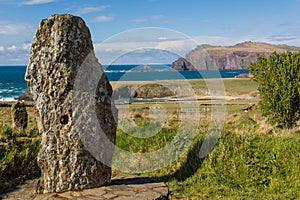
<point x="239" y="56"/>
<point x="182" y="65"/>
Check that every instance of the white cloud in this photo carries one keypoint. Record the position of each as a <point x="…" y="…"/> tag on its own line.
<point x="139" y="20"/>
<point x="162" y="38"/>
<point x="17" y="48"/>
<point x="109" y="52"/>
<point x="181" y="46"/>
<point x="16" y="54"/>
<point x="292" y="40"/>
<point x="219" y="40"/>
<point x="117" y="46"/>
<point x="156" y="17"/>
<point x="282" y="38"/>
<point x="26" y="46"/>
<point x="12" y="48"/>
<point x="103" y="18"/>
<point x="37" y="2"/>
<point x="9" y="2"/>
<point x="149" y="18"/>
<point x="86" y="10"/>
<point x="14" y="28"/>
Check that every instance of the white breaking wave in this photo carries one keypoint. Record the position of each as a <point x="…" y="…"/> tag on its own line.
<point x="7" y="99"/>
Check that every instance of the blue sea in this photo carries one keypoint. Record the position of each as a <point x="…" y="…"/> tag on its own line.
<point x="12" y="82"/>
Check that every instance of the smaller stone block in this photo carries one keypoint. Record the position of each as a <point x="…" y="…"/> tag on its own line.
<point x="19" y="116"/>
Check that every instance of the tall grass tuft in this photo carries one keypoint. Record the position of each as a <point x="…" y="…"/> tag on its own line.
<point x="252" y="165"/>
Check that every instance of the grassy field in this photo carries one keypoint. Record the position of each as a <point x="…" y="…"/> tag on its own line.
<point x="233" y="86"/>
<point x="251" y="160"/>
<point x="248" y="162"/>
<point x="18" y="150"/>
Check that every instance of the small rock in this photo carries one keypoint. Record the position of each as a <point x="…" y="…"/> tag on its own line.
<point x="145" y="68"/>
<point x="26" y="96"/>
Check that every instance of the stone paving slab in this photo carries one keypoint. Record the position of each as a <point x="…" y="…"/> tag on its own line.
<point x="122" y="187"/>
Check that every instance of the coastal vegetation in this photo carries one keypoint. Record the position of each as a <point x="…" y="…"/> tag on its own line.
<point x="18" y="150"/>
<point x="248" y="162"/>
<point x="278" y="77"/>
<point x="252" y="158"/>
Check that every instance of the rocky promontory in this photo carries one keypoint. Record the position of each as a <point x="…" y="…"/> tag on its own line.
<point x="144" y="91"/>
<point x="182" y="65"/>
<point x="239" y="56"/>
<point x="25" y="96"/>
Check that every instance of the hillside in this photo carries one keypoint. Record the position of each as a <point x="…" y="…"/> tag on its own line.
<point x="239" y="56"/>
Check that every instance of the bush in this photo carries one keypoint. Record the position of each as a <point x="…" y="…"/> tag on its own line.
<point x="279" y="87"/>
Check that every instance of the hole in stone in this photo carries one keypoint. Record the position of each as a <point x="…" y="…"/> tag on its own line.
<point x="64" y="119"/>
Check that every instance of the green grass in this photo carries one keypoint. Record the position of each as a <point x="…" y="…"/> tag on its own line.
<point x="128" y="142"/>
<point x="18" y="150"/>
<point x="251" y="160"/>
<point x="253" y="165"/>
<point x="18" y="163"/>
<point x="232" y="86"/>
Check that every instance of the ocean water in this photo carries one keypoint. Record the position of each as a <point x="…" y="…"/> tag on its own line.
<point x="12" y="82"/>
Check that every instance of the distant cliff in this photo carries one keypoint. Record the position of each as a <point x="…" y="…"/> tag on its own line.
<point x="239" y="56"/>
<point x="182" y="65"/>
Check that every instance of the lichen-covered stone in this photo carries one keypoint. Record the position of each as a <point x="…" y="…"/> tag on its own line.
<point x="19" y="115"/>
<point x="75" y="111"/>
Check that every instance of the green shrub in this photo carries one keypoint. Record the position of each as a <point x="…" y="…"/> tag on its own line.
<point x="279" y="87"/>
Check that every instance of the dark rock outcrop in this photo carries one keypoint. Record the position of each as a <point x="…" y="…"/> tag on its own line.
<point x="182" y="65"/>
<point x="152" y="91"/>
<point x="144" y="91"/>
<point x="75" y="111"/>
<point x="123" y="92"/>
<point x="26" y="96"/>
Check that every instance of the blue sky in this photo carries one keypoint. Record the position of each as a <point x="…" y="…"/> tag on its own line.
<point x="217" y="22"/>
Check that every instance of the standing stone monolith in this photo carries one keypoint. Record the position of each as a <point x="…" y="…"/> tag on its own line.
<point x="19" y="116"/>
<point x="76" y="116"/>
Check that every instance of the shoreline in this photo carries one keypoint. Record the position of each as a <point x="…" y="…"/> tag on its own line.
<point x="139" y="83"/>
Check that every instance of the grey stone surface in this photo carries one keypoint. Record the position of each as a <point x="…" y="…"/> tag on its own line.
<point x="121" y="188"/>
<point x="75" y="112"/>
<point x="19" y="115"/>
